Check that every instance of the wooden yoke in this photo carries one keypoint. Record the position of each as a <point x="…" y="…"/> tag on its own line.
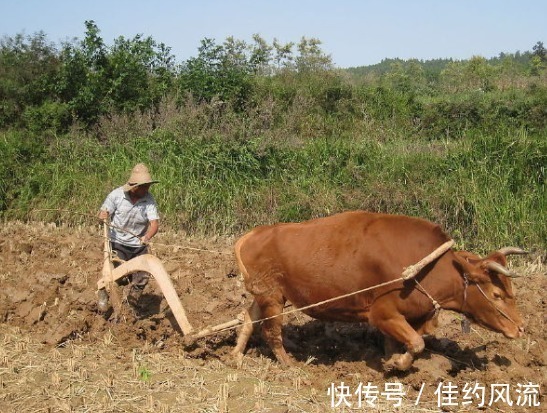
<point x="154" y="267"/>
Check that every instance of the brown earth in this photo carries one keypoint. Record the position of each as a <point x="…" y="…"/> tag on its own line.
<point x="59" y="354"/>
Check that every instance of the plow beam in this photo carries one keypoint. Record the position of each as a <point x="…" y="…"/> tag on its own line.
<point x="210" y="330"/>
<point x="152" y="265"/>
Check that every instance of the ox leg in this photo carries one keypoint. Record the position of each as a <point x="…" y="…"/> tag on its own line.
<point x="428" y="327"/>
<point x="391" y="347"/>
<point x="399" y="330"/>
<point x="252" y="314"/>
<point x="272" y="308"/>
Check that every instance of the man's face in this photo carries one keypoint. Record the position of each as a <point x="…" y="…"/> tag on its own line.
<point x="141" y="190"/>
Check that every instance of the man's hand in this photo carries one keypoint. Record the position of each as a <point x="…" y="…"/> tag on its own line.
<point x="103" y="215"/>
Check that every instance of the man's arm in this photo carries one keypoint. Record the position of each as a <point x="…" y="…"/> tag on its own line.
<point x="151" y="231"/>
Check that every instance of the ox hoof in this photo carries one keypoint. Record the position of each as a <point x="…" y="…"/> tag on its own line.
<point x="399" y="362"/>
<point x="234" y="360"/>
<point x="285" y="361"/>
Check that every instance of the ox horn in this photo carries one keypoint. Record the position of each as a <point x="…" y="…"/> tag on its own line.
<point x="512" y="250"/>
<point x="495" y="266"/>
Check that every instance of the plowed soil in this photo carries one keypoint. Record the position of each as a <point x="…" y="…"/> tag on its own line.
<point x="57" y="353"/>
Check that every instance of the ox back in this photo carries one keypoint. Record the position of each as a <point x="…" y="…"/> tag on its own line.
<point x="320" y="259"/>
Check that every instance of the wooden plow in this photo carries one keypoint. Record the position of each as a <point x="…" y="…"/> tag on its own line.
<point x="155" y="268"/>
<point x="152" y="265"/>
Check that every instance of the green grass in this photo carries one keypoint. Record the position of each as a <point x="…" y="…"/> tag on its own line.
<point x="226" y="173"/>
<point x="487" y="190"/>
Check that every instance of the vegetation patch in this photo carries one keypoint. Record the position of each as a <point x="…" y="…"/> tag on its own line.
<point x="249" y="134"/>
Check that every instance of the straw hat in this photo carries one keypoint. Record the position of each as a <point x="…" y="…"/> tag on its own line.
<point x="139" y="176"/>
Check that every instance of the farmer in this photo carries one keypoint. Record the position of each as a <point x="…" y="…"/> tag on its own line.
<point x="134" y="221"/>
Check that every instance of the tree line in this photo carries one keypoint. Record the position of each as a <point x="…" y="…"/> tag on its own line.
<point x="48" y="86"/>
<point x="43" y="85"/>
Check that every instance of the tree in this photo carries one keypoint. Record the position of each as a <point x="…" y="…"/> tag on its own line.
<point x="82" y="81"/>
<point x="261" y="55"/>
<point x="140" y="73"/>
<point x="537" y="60"/>
<point x="219" y="71"/>
<point x="283" y="54"/>
<point x="540" y="51"/>
<point x="133" y="74"/>
<point x="311" y="58"/>
<point x="28" y="67"/>
<point x="407" y="76"/>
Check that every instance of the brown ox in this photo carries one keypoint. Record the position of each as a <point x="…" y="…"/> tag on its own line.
<point x="317" y="260"/>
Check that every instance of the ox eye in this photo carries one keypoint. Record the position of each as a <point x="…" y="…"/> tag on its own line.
<point x="497" y="295"/>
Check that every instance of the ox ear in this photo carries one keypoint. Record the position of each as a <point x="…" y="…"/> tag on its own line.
<point x="495" y="256"/>
<point x="468" y="256"/>
<point x="472" y="270"/>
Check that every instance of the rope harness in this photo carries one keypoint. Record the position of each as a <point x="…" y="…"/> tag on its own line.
<point x="490" y="301"/>
<point x="493" y="304"/>
<point x="436" y="305"/>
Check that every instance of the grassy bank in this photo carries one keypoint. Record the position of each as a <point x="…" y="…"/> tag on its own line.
<point x="486" y="188"/>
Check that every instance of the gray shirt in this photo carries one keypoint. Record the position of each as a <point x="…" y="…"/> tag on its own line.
<point x="129" y="221"/>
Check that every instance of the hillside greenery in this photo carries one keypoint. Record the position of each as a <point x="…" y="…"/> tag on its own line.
<point x="245" y="134"/>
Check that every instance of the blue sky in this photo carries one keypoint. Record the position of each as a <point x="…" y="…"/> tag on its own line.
<point x="353" y="32"/>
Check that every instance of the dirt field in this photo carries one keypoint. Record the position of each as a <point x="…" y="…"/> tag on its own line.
<point x="57" y="354"/>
